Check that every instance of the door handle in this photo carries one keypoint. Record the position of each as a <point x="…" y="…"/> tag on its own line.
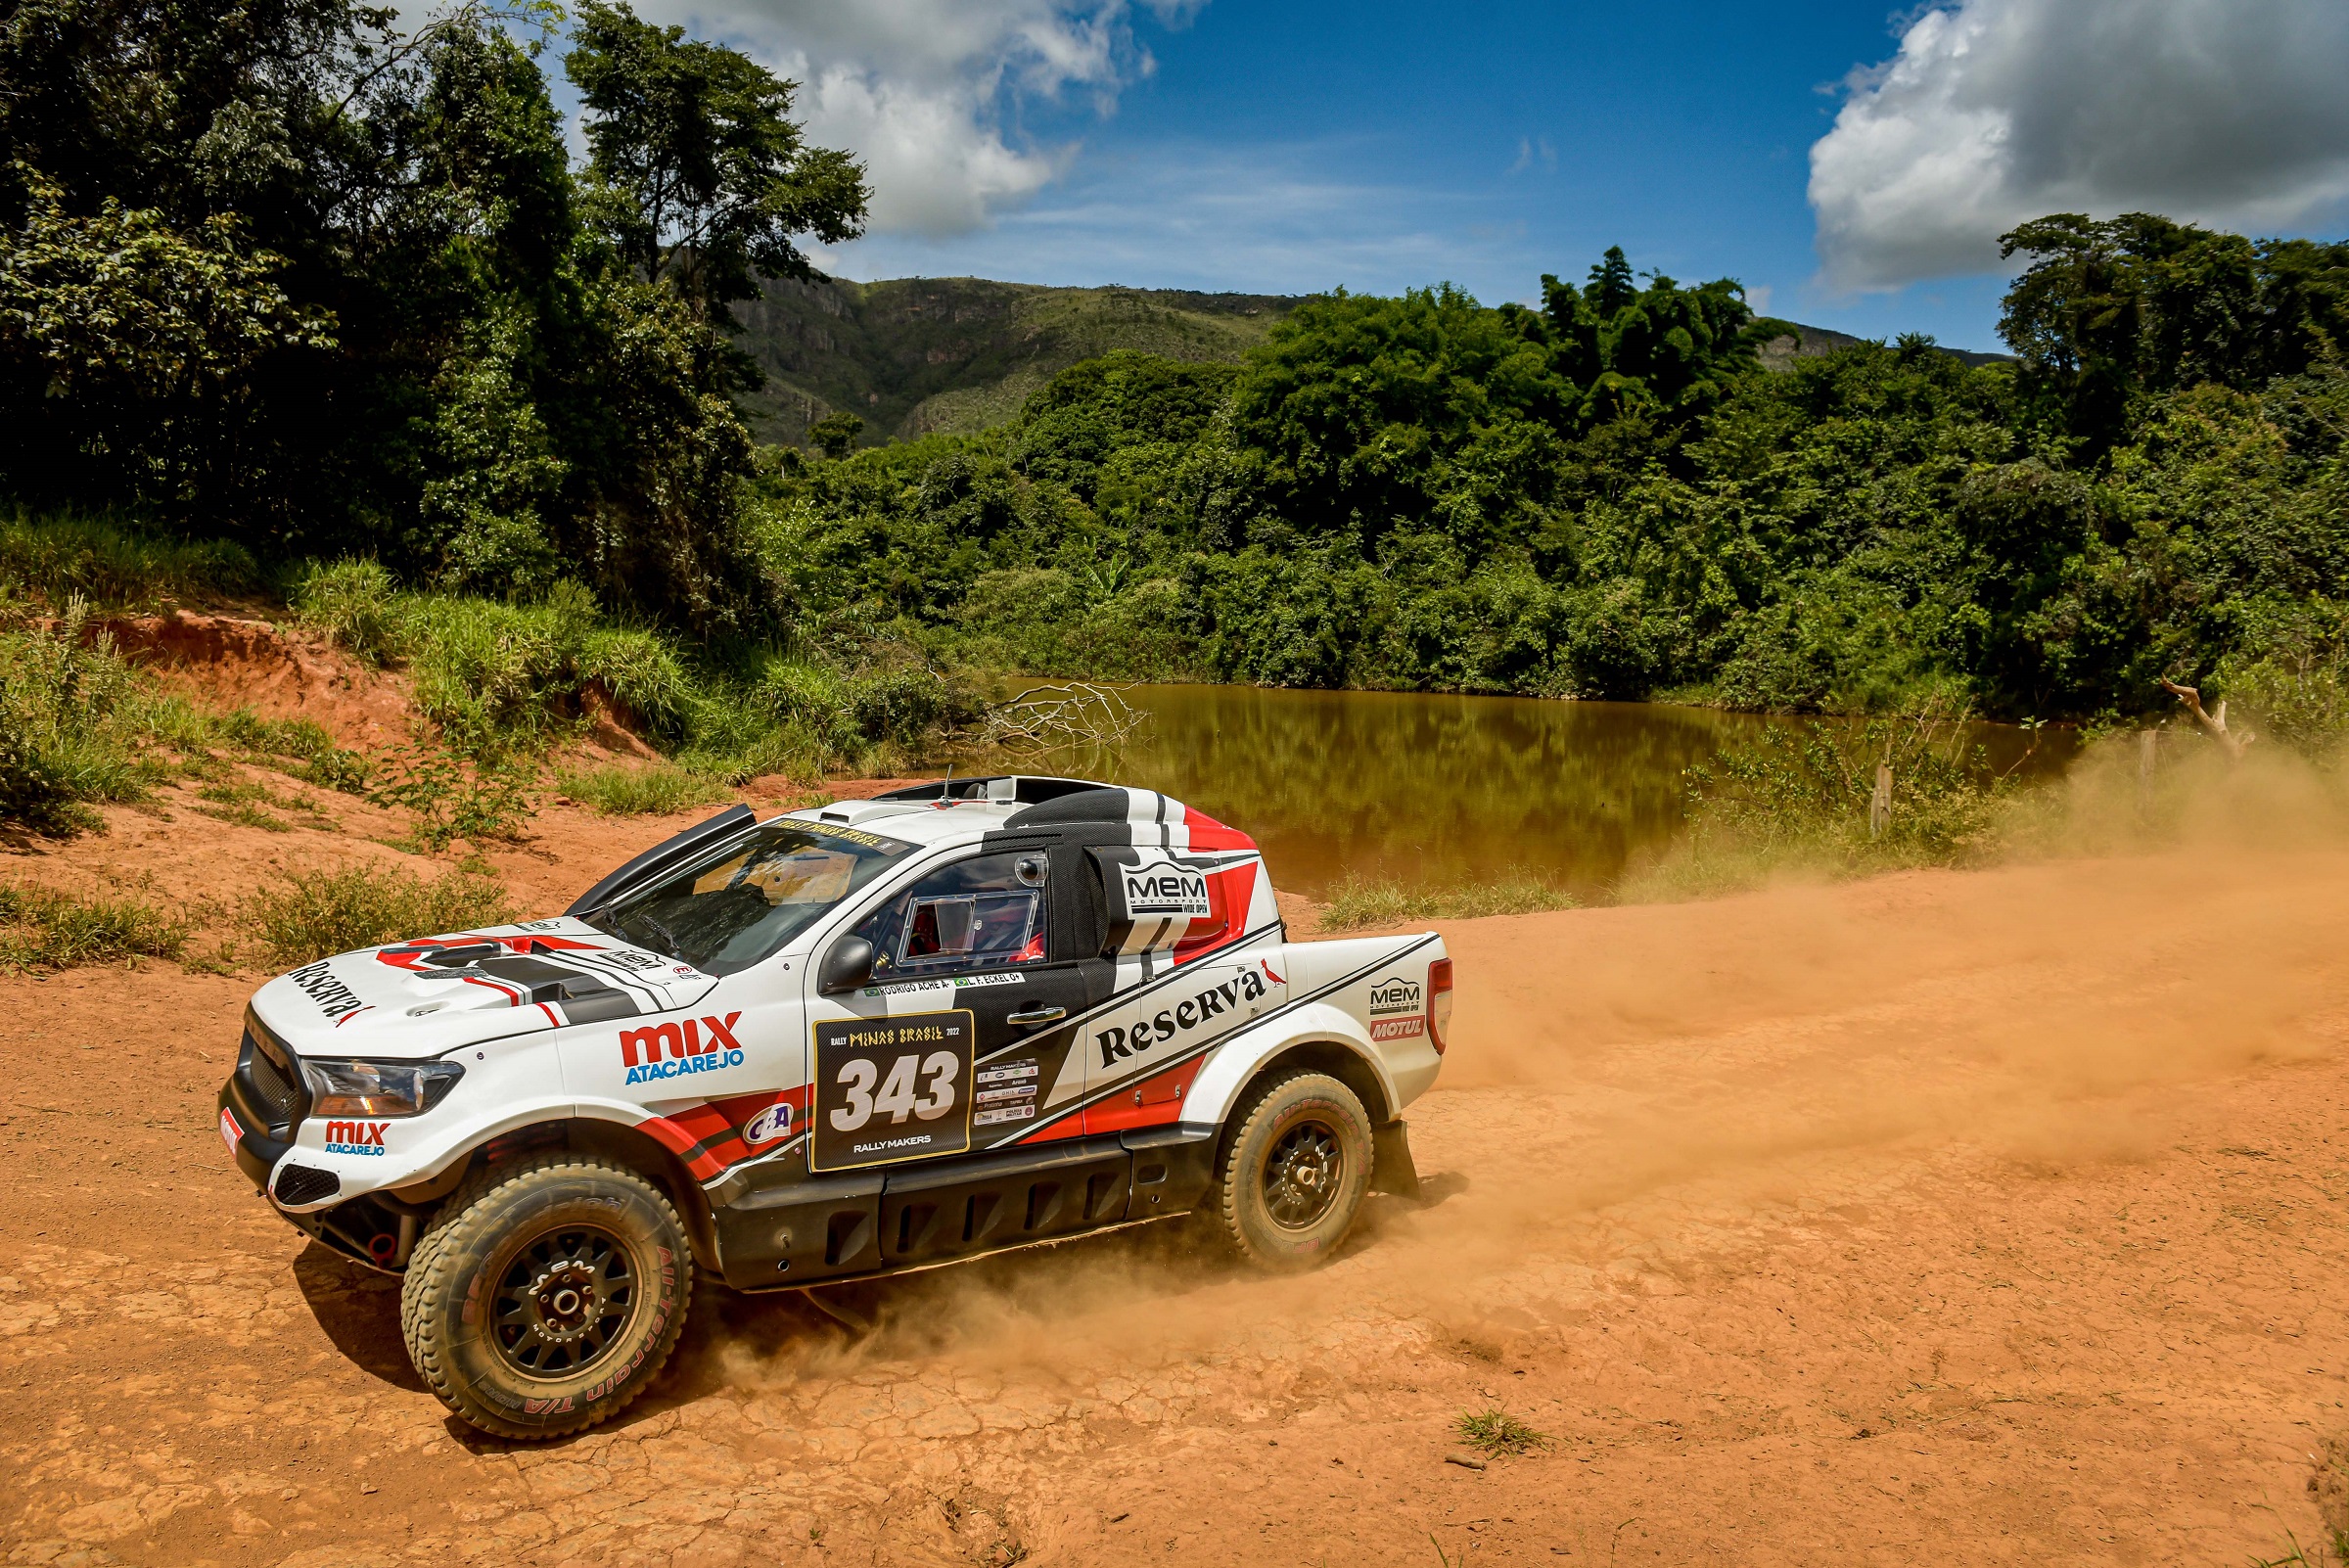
<point x="1039" y="1015"/>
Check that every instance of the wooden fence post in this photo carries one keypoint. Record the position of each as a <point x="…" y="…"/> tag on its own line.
<point x="1879" y="805"/>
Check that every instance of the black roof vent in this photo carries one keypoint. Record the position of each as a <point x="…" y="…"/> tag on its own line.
<point x="1020" y="789"/>
<point x="1101" y="803"/>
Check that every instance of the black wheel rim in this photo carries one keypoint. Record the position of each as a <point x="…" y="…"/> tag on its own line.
<point x="564" y="1301"/>
<point x="1302" y="1172"/>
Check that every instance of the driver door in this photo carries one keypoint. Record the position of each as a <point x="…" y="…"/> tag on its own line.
<point x="940" y="1056"/>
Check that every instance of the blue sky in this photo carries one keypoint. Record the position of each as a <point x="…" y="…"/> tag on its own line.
<point x="1306" y="145"/>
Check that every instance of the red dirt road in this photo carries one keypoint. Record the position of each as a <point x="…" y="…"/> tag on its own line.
<point x="1959" y="1218"/>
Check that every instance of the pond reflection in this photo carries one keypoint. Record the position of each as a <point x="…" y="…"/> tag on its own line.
<point x="1432" y="790"/>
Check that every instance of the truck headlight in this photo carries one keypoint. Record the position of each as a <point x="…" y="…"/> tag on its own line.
<point x="377" y="1088"/>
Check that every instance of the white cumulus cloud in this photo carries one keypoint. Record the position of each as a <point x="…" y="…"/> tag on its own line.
<point x="929" y="92"/>
<point x="1993" y="112"/>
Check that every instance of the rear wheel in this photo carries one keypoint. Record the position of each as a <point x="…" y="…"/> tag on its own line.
<point x="1293" y="1176"/>
<point x="548" y="1294"/>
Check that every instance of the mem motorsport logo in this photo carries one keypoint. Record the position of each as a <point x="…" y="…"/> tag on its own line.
<point x="675" y="1049"/>
<point x="1396" y="1008"/>
<point x="1163" y="887"/>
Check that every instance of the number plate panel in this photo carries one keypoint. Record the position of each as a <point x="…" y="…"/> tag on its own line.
<point x="890" y="1089"/>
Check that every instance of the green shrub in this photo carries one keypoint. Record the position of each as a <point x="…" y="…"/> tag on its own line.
<point x="1799" y="799"/>
<point x="1356" y="903"/>
<point x="310" y="915"/>
<point x="454" y="798"/>
<point x="649" y="790"/>
<point x="41" y="929"/>
<point x="2294" y="675"/>
<point x="355" y="604"/>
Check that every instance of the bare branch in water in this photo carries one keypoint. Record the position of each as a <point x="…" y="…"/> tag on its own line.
<point x="1050" y="717"/>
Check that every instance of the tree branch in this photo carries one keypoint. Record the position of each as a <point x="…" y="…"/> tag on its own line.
<point x="2212" y="724"/>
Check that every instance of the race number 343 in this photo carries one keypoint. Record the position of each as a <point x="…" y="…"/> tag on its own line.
<point x="892" y="1088"/>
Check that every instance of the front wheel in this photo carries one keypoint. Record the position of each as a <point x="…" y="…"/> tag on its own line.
<point x="1294" y="1173"/>
<point x="548" y="1294"/>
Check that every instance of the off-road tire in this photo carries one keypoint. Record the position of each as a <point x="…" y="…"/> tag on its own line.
<point x="492" y="1238"/>
<point x="1253" y="1211"/>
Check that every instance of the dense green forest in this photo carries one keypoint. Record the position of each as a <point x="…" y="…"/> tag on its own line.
<point x="282" y="276"/>
<point x="1609" y="497"/>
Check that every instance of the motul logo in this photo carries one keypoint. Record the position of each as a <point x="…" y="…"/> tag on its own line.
<point x="356" y="1137"/>
<point x="672" y="1049"/>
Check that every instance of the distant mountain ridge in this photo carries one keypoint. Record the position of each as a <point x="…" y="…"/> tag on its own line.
<point x="914" y="355"/>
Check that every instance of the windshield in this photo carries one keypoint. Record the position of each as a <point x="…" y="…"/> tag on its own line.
<point x="726" y="915"/>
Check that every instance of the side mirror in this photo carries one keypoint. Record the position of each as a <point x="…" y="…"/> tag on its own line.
<point x="848" y="965"/>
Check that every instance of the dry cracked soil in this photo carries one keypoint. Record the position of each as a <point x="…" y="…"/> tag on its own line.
<point x="1960" y="1217"/>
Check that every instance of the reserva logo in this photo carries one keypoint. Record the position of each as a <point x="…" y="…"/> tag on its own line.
<point x="318" y="983"/>
<point x="1388" y="996"/>
<point x="1147" y="1034"/>
<point x="677" y="1049"/>
<point x="356" y="1137"/>
<point x="1163" y="887"/>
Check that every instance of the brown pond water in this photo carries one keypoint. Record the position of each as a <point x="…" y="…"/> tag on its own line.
<point x="1435" y="791"/>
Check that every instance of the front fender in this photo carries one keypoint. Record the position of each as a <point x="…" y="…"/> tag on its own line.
<point x="1232" y="1065"/>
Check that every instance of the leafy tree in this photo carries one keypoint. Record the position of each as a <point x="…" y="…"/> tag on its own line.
<point x="1662" y="348"/>
<point x="144" y="339"/>
<point x="2108" y="312"/>
<point x="700" y="175"/>
<point x="835" y="434"/>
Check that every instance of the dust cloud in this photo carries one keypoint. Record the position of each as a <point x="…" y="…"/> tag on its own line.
<point x="1622" y="1077"/>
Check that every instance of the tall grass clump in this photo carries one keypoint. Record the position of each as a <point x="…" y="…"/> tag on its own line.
<point x="71" y="715"/>
<point x="314" y="915"/>
<point x="653" y="789"/>
<point x="1798" y="799"/>
<point x="116" y="566"/>
<point x="41" y="929"/>
<point x="496" y="675"/>
<point x="1359" y="901"/>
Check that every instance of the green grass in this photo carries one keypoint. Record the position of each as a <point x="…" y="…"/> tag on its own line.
<point x="496" y="676"/>
<point x="1496" y="1434"/>
<point x="43" y="930"/>
<point x="115" y="566"/>
<point x="652" y="788"/>
<point x="315" y="914"/>
<point x="1359" y="902"/>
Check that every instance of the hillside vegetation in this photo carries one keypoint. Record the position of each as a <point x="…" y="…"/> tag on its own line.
<point x="919" y="356"/>
<point x="296" y="297"/>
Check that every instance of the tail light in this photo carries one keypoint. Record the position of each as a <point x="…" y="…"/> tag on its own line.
<point x="1439" y="1003"/>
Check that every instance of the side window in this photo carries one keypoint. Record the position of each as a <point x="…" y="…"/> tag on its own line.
<point x="974" y="915"/>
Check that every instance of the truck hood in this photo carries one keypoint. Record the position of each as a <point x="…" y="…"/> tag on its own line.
<point x="432" y="994"/>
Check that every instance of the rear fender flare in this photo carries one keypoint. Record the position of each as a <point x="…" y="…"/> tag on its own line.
<point x="1318" y="1036"/>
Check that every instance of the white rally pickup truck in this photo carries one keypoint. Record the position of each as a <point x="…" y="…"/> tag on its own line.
<point x="846" y="1041"/>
